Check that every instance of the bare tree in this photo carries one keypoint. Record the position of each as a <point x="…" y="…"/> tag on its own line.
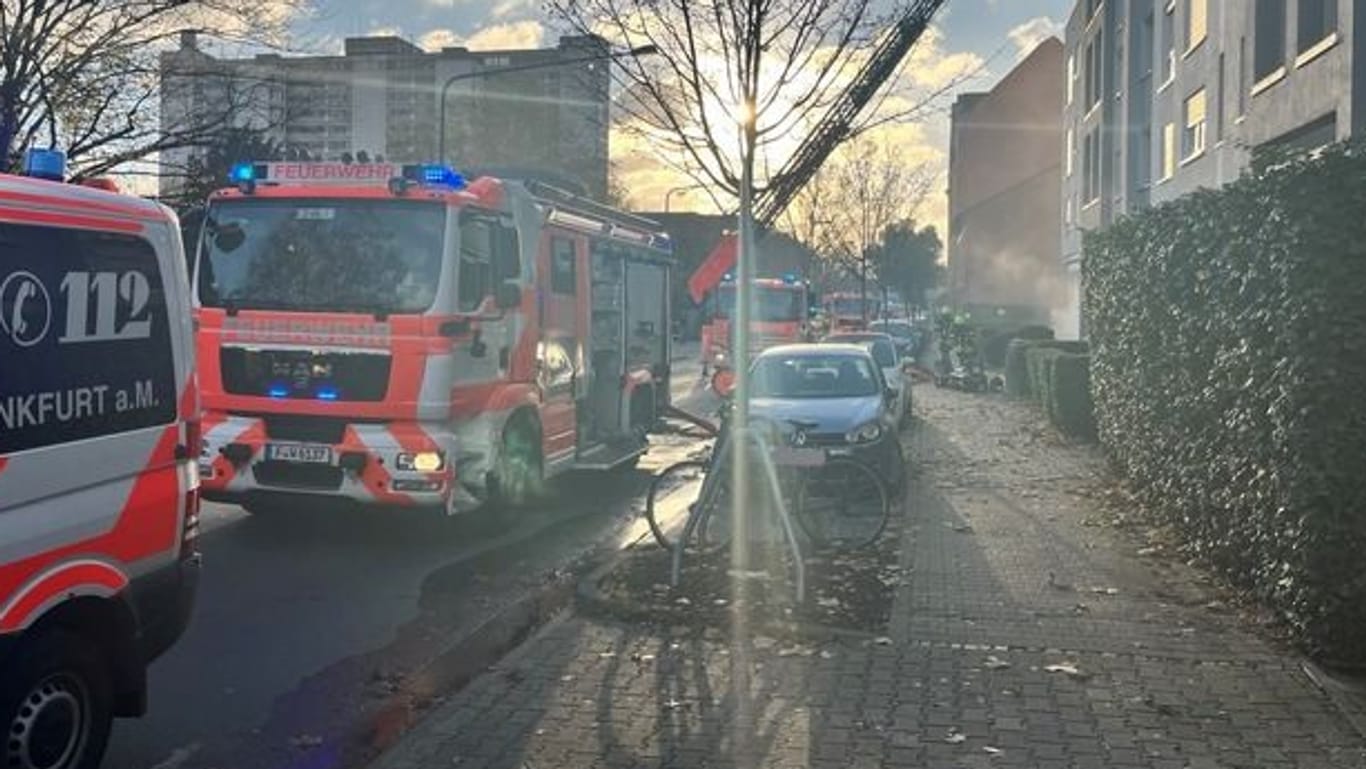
<point x="83" y="75"/>
<point x="737" y="85"/>
<point x="846" y="211"/>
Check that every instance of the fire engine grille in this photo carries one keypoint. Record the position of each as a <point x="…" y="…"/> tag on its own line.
<point x="304" y="374"/>
<point x="292" y="475"/>
<point x="304" y="429"/>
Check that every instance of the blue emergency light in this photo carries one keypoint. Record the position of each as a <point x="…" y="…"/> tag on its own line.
<point x="434" y="175"/>
<point x="278" y="392"/>
<point x="790" y="278"/>
<point x="47" y="164"/>
<point x="326" y="394"/>
<point x="242" y="172"/>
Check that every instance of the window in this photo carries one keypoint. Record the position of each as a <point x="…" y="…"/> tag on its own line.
<point x="1090" y="168"/>
<point x="1242" y="76"/>
<point x="1168" y="151"/>
<point x="1197" y="19"/>
<point x="563" y="273"/>
<point x="476" y="263"/>
<point x="1268" y="53"/>
<point x="1070" y="150"/>
<point x="1167" y="52"/>
<point x="1093" y="74"/>
<point x="1219" y="103"/>
<point x="1071" y="77"/>
<point x="1317" y="20"/>
<point x="1193" y="133"/>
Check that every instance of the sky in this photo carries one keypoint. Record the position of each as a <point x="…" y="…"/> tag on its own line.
<point x="981" y="38"/>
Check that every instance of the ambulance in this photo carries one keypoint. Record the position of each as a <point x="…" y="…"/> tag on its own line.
<point x="781" y="314"/>
<point x="99" y="433"/>
<point x="398" y="335"/>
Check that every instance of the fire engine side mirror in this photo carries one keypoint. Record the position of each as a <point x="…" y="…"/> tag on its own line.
<point x="509" y="296"/>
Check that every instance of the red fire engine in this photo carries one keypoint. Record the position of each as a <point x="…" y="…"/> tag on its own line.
<point x="849" y="311"/>
<point x="780" y="315"/>
<point x="394" y="335"/>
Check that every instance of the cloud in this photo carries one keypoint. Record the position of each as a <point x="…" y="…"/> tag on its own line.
<point x="436" y="39"/>
<point x="932" y="67"/>
<point x="1028" y="35"/>
<point x="517" y="34"/>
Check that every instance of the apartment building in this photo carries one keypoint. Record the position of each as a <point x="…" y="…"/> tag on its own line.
<point x="1164" y="97"/>
<point x="382" y="96"/>
<point x="1004" y="173"/>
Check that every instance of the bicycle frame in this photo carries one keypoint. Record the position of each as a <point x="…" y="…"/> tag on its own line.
<point x="721" y="454"/>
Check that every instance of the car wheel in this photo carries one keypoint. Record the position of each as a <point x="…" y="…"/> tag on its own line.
<point x="55" y="705"/>
<point x="519" y="474"/>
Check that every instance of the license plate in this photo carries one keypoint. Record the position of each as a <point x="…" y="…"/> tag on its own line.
<point x="789" y="456"/>
<point x="298" y="452"/>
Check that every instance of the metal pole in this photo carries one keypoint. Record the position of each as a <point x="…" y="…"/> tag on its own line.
<point x="744" y="278"/>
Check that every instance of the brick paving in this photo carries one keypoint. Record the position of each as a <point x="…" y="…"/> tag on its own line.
<point x="1028" y="635"/>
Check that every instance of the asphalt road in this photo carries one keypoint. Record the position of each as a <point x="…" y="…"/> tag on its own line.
<point x="302" y="621"/>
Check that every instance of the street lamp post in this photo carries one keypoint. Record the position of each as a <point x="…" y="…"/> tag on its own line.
<point x="669" y="195"/>
<point x="643" y="50"/>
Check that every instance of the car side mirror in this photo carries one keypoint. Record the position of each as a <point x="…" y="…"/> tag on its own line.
<point x="889" y="395"/>
<point x="509" y="296"/>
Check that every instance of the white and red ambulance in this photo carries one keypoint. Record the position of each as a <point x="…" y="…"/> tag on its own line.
<point x="397" y="335"/>
<point x="99" y="433"/>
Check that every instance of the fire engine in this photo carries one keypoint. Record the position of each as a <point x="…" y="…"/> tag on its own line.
<point x="850" y="311"/>
<point x="780" y="315"/>
<point x="99" y="500"/>
<point x="394" y="334"/>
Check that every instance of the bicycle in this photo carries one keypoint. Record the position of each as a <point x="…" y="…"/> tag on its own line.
<point x="839" y="502"/>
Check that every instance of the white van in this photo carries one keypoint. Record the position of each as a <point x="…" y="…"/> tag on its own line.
<point x="99" y="434"/>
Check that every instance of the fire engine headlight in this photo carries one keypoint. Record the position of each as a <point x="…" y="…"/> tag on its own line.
<point x="420" y="462"/>
<point x="718" y="359"/>
<point x="866" y="433"/>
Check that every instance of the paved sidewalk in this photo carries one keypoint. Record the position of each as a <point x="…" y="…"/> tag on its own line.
<point x="1028" y="635"/>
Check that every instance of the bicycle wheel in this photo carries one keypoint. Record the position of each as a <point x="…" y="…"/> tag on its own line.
<point x="843" y="504"/>
<point x="680" y="482"/>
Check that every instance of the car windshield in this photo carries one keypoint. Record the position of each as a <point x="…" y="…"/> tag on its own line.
<point x="380" y="256"/>
<point x="851" y="306"/>
<point x="814" y="376"/>
<point x="771" y="304"/>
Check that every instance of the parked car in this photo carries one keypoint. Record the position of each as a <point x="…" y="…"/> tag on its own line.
<point x="840" y="392"/>
<point x="890" y="361"/>
<point x="903" y="334"/>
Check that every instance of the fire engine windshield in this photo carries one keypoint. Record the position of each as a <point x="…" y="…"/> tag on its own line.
<point x="380" y="256"/>
<point x="770" y="304"/>
<point x="851" y="306"/>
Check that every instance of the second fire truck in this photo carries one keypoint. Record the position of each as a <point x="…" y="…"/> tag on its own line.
<point x="781" y="314"/>
<point x="393" y="334"/>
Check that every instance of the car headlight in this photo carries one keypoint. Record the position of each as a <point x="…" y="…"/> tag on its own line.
<point x="420" y="462"/>
<point x="866" y="433"/>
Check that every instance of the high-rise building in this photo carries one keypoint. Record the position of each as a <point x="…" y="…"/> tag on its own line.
<point x="1005" y="161"/>
<point x="1164" y="97"/>
<point x="382" y="96"/>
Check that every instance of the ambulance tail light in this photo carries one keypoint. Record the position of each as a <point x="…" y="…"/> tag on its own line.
<point x="189" y="534"/>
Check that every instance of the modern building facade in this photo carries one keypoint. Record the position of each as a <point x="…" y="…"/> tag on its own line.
<point x="382" y="96"/>
<point x="1004" y="172"/>
<point x="1164" y="97"/>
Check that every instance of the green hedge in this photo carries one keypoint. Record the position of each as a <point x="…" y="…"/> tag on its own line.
<point x="1018" y="382"/>
<point x="1228" y="337"/>
<point x="995" y="345"/>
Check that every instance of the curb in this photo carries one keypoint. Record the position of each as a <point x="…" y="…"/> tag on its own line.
<point x="466" y="658"/>
<point x="1348" y="697"/>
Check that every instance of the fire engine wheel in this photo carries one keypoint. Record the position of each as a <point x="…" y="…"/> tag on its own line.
<point x="519" y="473"/>
<point x="55" y="702"/>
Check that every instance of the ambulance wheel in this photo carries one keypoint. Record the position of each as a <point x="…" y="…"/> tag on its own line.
<point x="519" y="474"/>
<point x="55" y="704"/>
